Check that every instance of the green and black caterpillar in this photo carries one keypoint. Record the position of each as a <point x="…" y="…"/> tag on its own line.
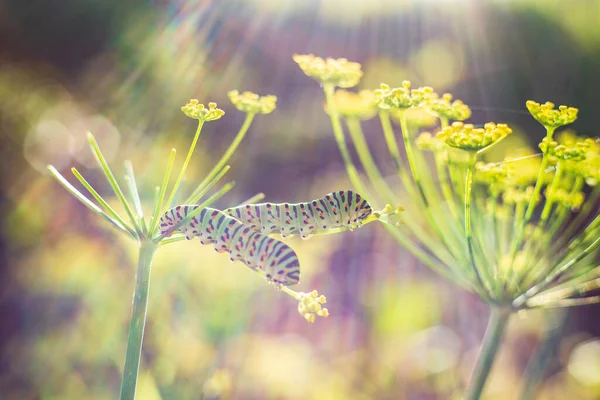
<point x="243" y="230"/>
<point x="343" y="209"/>
<point x="274" y="258"/>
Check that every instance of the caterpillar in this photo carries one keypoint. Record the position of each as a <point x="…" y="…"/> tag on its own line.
<point x="274" y="258"/>
<point x="338" y="209"/>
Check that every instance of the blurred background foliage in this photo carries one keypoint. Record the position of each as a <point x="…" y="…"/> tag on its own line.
<point x="122" y="69"/>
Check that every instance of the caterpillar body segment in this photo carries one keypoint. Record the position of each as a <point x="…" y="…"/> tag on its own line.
<point x="335" y="210"/>
<point x="274" y="258"/>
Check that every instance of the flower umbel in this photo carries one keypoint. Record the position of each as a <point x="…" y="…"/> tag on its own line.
<point x="337" y="72"/>
<point x="467" y="137"/>
<point x="309" y="305"/>
<point x="444" y="107"/>
<point x="252" y="103"/>
<point x="516" y="249"/>
<point x="195" y="110"/>
<point x="354" y="105"/>
<point x="402" y="97"/>
<point x="549" y="117"/>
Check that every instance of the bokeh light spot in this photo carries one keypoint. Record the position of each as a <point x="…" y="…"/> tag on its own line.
<point x="48" y="142"/>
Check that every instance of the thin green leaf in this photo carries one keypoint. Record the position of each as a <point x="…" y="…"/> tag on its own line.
<point x="254" y="199"/>
<point x="218" y="168"/>
<point x="185" y="164"/>
<point x="163" y="189"/>
<point x="71" y="189"/>
<point x="111" y="180"/>
<point x="109" y="210"/>
<point x="203" y="188"/>
<point x="135" y="194"/>
<point x="175" y="238"/>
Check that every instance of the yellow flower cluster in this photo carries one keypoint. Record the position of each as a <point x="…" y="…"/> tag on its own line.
<point x="517" y="195"/>
<point x="590" y="169"/>
<point x="572" y="151"/>
<point x="359" y="105"/>
<point x="495" y="175"/>
<point x="426" y="141"/>
<point x="467" y="137"/>
<point x="195" y="110"/>
<point x="337" y="72"/>
<point x="549" y="117"/>
<point x="309" y="305"/>
<point x="402" y="97"/>
<point x="252" y="103"/>
<point x="566" y="197"/>
<point x="444" y="107"/>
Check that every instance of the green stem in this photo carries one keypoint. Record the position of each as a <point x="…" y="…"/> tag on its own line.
<point x="550" y="199"/>
<point x="496" y="230"/>
<point x="362" y="149"/>
<point x="492" y="340"/>
<point x="578" y="221"/>
<point x="556" y="274"/>
<point x="411" y="158"/>
<point x="225" y="157"/>
<point x="439" y="227"/>
<point x="542" y="355"/>
<point x="518" y="237"/>
<point x="338" y="133"/>
<point x="468" y="232"/>
<point x="531" y="248"/>
<point x="138" y="320"/>
<point x="444" y="183"/>
<point x="161" y="194"/>
<point x="185" y="164"/>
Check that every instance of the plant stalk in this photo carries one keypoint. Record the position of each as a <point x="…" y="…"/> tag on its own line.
<point x="494" y="333"/>
<point x="468" y="226"/>
<point x="138" y="320"/>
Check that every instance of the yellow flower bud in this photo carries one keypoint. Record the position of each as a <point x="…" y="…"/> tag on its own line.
<point x="546" y="115"/>
<point x="467" y="137"/>
<point x="309" y="305"/>
<point x="403" y="97"/>
<point x="348" y="104"/>
<point x="195" y="110"/>
<point x="337" y="72"/>
<point x="444" y="107"/>
<point x="252" y="103"/>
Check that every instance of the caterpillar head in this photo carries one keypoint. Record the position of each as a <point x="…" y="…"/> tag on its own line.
<point x="364" y="212"/>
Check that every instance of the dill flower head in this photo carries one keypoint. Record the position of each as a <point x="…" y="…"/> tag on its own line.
<point x="195" y="110"/>
<point x="426" y="141"/>
<point x="497" y="176"/>
<point x="570" y="151"/>
<point x="566" y="197"/>
<point x="309" y="305"/>
<point x="467" y="137"/>
<point x="514" y="195"/>
<point x="337" y="72"/>
<point x="358" y="105"/>
<point x="252" y="103"/>
<point x="549" y="117"/>
<point x="590" y="169"/>
<point x="444" y="107"/>
<point x="402" y="97"/>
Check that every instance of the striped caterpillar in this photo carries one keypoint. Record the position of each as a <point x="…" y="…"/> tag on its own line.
<point x="334" y="210"/>
<point x="274" y="258"/>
